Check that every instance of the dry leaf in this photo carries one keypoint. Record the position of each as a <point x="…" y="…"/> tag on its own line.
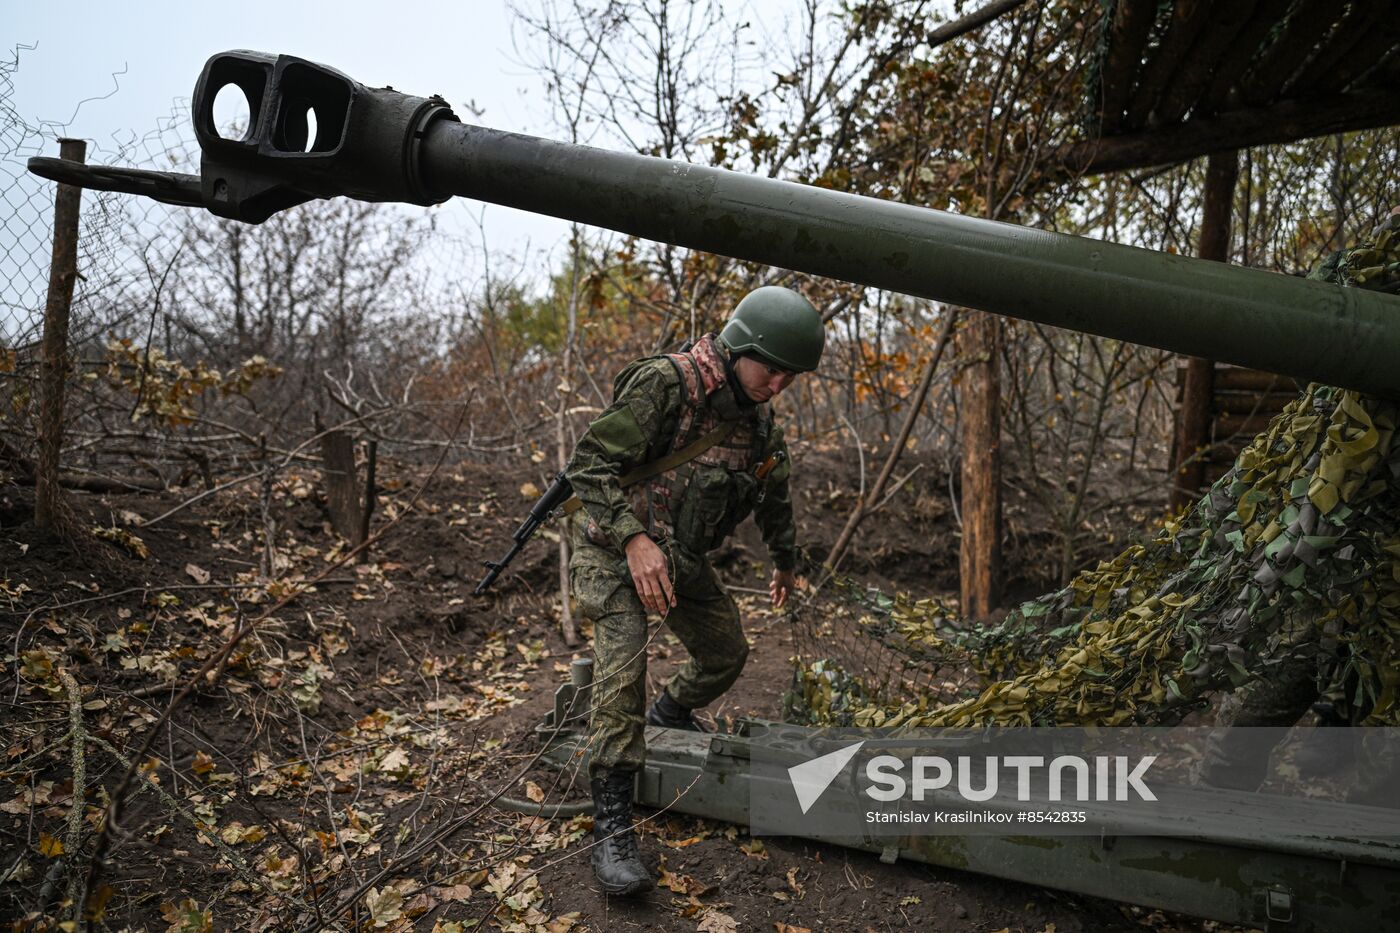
<point x="50" y="846"/>
<point x="236" y="833"/>
<point x="793" y="883"/>
<point x="396" y="762"/>
<point x="684" y="884"/>
<point x="716" y="922"/>
<point x="384" y="906"/>
<point x="197" y="573"/>
<point x="532" y="790"/>
<point x="754" y="849"/>
<point x="187" y="917"/>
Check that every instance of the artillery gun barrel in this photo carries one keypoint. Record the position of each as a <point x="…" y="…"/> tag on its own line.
<point x="1279" y="323"/>
<point x="379" y="144"/>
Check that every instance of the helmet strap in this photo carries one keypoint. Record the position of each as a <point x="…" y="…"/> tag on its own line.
<point x="735" y="386"/>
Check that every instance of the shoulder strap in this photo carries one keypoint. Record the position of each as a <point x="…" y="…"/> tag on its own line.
<point x="669" y="462"/>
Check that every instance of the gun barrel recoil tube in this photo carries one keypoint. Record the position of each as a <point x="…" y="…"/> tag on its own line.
<point x="379" y="144"/>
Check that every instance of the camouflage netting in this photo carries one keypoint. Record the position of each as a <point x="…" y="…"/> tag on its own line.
<point x="1295" y="551"/>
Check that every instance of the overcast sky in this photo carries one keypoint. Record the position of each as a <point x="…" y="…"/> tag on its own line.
<point x="462" y="50"/>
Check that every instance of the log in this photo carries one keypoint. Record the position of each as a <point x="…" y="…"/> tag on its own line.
<point x="1348" y="43"/>
<point x="1132" y="21"/>
<point x="1188" y="18"/>
<point x="1247" y="426"/>
<point x="1378" y="43"/>
<point x="1194" y="74"/>
<point x="1253" y="380"/>
<point x="1245" y="49"/>
<point x="1307" y="21"/>
<point x="1284" y="122"/>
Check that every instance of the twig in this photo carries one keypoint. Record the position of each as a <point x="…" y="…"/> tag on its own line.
<point x="452" y="827"/>
<point x="208" y="832"/>
<point x="865" y="504"/>
<point x="193" y="499"/>
<point x="215" y="664"/>
<point x="77" y="896"/>
<point x="293" y="454"/>
<point x="501" y="898"/>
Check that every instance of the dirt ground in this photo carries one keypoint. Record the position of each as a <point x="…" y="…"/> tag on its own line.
<point x="338" y="770"/>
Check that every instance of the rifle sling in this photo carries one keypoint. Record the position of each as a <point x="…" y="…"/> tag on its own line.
<point x="669" y="462"/>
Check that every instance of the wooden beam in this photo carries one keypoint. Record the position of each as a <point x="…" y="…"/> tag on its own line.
<point x="1362" y="20"/>
<point x="1306" y="24"/>
<point x="1187" y="20"/>
<point x="1283" y="122"/>
<point x="1194" y="74"/>
<point x="1245" y="403"/>
<point x="1132" y="21"/>
<point x="1246" y="48"/>
<point x="1254" y="380"/>
<point x="1242" y="426"/>
<point x="1381" y="42"/>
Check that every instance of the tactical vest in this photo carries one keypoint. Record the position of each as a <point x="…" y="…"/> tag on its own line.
<point x="699" y="503"/>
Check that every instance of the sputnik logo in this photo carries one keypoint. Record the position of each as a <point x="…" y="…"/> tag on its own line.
<point x="811" y="778"/>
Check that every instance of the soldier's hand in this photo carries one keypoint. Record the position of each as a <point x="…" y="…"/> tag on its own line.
<point x="783" y="583"/>
<point x="647" y="562"/>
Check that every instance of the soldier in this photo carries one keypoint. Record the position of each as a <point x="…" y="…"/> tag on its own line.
<point x="1310" y="673"/>
<point x="702" y="414"/>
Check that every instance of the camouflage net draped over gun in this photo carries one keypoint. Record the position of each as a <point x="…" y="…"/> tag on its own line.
<point x="1296" y="550"/>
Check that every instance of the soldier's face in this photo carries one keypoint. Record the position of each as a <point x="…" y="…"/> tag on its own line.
<point x="761" y="380"/>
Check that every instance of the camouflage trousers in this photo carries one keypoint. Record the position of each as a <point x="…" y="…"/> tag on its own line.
<point x="705" y="619"/>
<point x="1239" y="759"/>
<point x="1252" y="720"/>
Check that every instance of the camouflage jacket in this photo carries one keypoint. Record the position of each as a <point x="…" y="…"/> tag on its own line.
<point x="1373" y="263"/>
<point x="661" y="404"/>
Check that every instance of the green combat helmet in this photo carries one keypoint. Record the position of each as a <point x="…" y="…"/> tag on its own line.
<point x="778" y="325"/>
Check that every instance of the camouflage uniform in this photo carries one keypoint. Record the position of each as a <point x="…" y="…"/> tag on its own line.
<point x="1309" y="671"/>
<point x="662" y="404"/>
<point x="1239" y="758"/>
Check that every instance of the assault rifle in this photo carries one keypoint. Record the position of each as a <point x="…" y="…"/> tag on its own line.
<point x="559" y="492"/>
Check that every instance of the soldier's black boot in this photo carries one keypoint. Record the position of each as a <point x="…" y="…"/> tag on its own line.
<point x="665" y="711"/>
<point x="616" y="859"/>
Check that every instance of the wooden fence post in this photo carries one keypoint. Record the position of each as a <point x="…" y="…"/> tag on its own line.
<point x="53" y="366"/>
<point x="349" y="504"/>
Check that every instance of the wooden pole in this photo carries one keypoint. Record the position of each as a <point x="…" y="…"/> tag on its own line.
<point x="53" y="365"/>
<point x="979" y="557"/>
<point x="1193" y="419"/>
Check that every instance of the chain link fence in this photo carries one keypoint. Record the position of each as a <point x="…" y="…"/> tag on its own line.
<point x="181" y="322"/>
<point x="117" y="236"/>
